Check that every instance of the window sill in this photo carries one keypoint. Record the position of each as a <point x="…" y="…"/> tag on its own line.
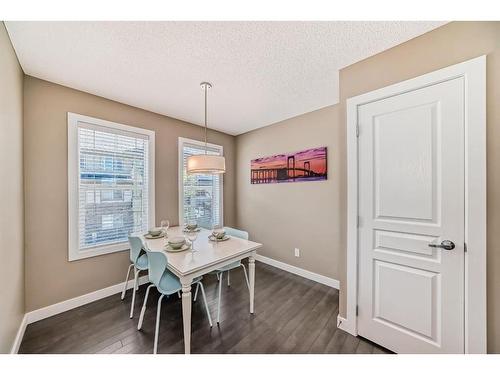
<point x="77" y="254"/>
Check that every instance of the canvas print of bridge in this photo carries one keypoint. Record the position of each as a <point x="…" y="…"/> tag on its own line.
<point x="307" y="165"/>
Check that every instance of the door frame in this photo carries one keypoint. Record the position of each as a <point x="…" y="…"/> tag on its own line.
<point x="474" y="73"/>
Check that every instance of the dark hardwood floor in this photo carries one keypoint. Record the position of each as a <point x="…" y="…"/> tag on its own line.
<point x="292" y="315"/>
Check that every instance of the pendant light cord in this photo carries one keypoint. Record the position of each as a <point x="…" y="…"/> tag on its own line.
<point x="206" y="119"/>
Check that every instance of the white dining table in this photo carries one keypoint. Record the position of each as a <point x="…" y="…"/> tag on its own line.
<point x="208" y="256"/>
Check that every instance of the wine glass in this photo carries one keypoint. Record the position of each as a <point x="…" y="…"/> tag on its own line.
<point x="192" y="235"/>
<point x="165" y="224"/>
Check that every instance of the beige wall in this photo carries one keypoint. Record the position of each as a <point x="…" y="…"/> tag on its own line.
<point x="268" y="206"/>
<point x="278" y="215"/>
<point x="50" y="278"/>
<point x="11" y="193"/>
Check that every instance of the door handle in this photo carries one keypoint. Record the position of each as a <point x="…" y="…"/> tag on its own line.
<point x="446" y="245"/>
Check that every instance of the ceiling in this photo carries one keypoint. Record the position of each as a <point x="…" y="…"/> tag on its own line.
<point x="262" y="72"/>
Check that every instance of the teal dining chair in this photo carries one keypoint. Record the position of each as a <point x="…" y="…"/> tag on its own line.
<point x="139" y="260"/>
<point x="220" y="272"/>
<point x="167" y="284"/>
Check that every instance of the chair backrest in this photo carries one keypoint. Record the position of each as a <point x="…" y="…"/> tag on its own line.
<point x="136" y="247"/>
<point x="157" y="261"/>
<point x="157" y="265"/>
<point x="236" y="233"/>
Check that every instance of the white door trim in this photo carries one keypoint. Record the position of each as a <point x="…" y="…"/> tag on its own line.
<point x="474" y="74"/>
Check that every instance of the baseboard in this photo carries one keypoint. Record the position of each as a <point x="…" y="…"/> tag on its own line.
<point x="299" y="271"/>
<point x="19" y="336"/>
<point x="48" y="311"/>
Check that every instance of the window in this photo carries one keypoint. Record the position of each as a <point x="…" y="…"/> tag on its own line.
<point x="200" y="196"/>
<point x="110" y="185"/>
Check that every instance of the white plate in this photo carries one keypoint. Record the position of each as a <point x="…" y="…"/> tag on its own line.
<point x="151" y="237"/>
<point x="213" y="238"/>
<point x="183" y="248"/>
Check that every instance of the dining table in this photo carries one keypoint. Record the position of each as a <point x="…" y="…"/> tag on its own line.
<point x="207" y="256"/>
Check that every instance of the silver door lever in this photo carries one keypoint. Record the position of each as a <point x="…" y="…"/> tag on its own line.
<point x="446" y="245"/>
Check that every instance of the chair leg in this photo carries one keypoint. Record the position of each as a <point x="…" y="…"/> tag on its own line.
<point x="136" y="276"/>
<point x="200" y="285"/>
<point x="143" y="310"/>
<point x="246" y="276"/>
<point x="178" y="294"/>
<point x="217" y="277"/>
<point x="228" y="278"/>
<point x="126" y="281"/>
<point x="220" y="292"/>
<point x="157" y="329"/>
<point x="196" y="291"/>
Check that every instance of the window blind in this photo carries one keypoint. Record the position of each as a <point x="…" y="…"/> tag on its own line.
<point x="112" y="185"/>
<point x="202" y="194"/>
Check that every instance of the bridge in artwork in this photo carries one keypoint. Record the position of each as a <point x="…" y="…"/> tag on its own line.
<point x="307" y="165"/>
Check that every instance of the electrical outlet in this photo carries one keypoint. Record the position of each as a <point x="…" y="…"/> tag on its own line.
<point x="297" y="252"/>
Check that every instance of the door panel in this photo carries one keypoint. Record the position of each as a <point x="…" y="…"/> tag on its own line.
<point x="411" y="194"/>
<point x="406" y="245"/>
<point x="403" y="151"/>
<point x="418" y="316"/>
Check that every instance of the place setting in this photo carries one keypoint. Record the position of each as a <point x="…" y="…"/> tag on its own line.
<point x="177" y="244"/>
<point x="191" y="227"/>
<point x="186" y="242"/>
<point x="158" y="232"/>
<point x="218" y="235"/>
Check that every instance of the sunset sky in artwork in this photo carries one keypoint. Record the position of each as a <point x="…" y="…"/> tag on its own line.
<point x="316" y="156"/>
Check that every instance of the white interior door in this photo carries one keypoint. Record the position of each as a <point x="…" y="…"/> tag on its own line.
<point x="411" y="197"/>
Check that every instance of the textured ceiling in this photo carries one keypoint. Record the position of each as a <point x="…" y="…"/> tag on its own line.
<point x="262" y="72"/>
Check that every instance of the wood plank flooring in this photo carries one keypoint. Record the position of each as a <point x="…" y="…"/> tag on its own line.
<point x="292" y="315"/>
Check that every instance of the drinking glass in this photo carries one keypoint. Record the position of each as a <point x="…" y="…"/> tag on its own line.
<point x="165" y="224"/>
<point x="216" y="227"/>
<point x="192" y="235"/>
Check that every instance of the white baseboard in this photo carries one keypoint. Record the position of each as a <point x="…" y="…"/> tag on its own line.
<point x="19" y="336"/>
<point x="45" y="312"/>
<point x="299" y="271"/>
<point x="57" y="308"/>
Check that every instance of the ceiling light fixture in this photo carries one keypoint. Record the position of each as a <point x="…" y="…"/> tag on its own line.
<point x="206" y="164"/>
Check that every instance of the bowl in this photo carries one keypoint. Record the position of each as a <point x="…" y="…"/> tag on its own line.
<point x="176" y="242"/>
<point x="155" y="231"/>
<point x="191" y="226"/>
<point x="219" y="234"/>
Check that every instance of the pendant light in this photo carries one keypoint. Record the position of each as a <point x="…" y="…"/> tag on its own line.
<point x="206" y="164"/>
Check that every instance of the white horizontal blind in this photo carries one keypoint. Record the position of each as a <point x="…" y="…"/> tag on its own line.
<point x="113" y="185"/>
<point x="202" y="193"/>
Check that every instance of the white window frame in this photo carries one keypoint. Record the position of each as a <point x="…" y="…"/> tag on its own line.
<point x="183" y="141"/>
<point x="74" y="252"/>
<point x="474" y="75"/>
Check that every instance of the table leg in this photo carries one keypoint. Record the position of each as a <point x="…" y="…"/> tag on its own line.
<point x="251" y="271"/>
<point x="186" y="314"/>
